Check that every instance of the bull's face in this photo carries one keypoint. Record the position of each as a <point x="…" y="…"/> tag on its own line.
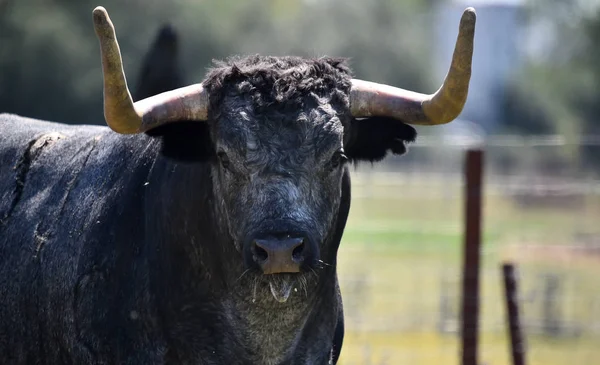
<point x="278" y="176"/>
<point x="281" y="128"/>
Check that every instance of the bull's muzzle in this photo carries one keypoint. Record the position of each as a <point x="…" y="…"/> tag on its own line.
<point x="275" y="256"/>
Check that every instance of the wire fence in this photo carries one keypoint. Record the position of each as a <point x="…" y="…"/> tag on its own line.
<point x="400" y="261"/>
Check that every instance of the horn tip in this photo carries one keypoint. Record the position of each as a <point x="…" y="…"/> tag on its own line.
<point x="467" y="21"/>
<point x="101" y="18"/>
<point x="470" y="10"/>
<point x="102" y="23"/>
<point x="469" y="14"/>
<point x="100" y="12"/>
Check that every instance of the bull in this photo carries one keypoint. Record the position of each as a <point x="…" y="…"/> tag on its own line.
<point x="202" y="226"/>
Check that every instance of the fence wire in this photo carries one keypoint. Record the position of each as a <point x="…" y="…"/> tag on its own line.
<point x="400" y="260"/>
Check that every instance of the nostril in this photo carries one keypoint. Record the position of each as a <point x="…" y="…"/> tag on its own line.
<point x="298" y="251"/>
<point x="278" y="255"/>
<point x="260" y="253"/>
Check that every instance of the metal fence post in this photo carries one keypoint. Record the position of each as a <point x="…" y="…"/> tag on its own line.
<point x="471" y="258"/>
<point x="512" y="314"/>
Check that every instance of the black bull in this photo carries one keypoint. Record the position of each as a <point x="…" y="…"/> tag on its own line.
<point x="166" y="247"/>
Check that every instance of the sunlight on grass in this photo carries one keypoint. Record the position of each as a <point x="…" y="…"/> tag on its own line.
<point x="399" y="268"/>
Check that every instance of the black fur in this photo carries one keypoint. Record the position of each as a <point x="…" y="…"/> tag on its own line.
<point x="279" y="84"/>
<point x="114" y="251"/>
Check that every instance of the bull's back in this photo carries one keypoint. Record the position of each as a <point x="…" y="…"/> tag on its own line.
<point x="38" y="160"/>
<point x="30" y="147"/>
<point x="61" y="187"/>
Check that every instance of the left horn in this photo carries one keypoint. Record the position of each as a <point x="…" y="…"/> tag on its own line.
<point x="372" y="99"/>
<point x="121" y="113"/>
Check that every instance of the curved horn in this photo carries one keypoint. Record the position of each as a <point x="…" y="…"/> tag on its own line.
<point x="372" y="99"/>
<point x="121" y="113"/>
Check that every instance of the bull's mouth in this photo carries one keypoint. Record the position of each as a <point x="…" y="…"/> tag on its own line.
<point x="282" y="286"/>
<point x="280" y="289"/>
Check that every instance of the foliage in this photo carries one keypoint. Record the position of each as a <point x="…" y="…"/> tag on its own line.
<point x="49" y="55"/>
<point x="558" y="92"/>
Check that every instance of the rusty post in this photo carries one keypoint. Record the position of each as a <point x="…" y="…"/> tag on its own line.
<point x="471" y="258"/>
<point x="517" y="347"/>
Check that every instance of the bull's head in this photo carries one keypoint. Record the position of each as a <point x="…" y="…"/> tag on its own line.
<point x="281" y="130"/>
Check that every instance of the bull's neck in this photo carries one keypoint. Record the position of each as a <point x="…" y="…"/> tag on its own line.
<point x="272" y="332"/>
<point x="268" y="334"/>
<point x="185" y="223"/>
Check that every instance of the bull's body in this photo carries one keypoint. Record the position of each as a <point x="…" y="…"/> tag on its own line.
<point x="206" y="230"/>
<point x="94" y="270"/>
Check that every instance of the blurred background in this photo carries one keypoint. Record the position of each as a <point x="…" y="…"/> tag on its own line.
<point x="533" y="105"/>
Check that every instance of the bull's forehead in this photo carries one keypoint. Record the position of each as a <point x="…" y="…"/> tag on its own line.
<point x="311" y="133"/>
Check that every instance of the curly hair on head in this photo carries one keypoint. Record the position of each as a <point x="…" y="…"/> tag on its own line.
<point x="282" y="83"/>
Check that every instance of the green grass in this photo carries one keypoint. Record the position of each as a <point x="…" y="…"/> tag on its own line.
<point x="402" y="250"/>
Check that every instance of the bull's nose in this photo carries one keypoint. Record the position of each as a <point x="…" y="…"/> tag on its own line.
<point x="279" y="255"/>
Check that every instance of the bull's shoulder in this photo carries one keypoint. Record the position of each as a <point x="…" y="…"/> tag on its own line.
<point x="43" y="163"/>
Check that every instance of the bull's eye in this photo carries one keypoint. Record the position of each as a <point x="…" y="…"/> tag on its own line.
<point x="224" y="159"/>
<point x="338" y="159"/>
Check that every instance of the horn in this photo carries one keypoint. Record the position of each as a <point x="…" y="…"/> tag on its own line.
<point x="121" y="113"/>
<point x="372" y="99"/>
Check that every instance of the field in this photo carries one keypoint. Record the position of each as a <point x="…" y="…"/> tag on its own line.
<point x="400" y="261"/>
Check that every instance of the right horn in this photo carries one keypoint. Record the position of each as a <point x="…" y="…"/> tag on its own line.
<point x="121" y="113"/>
<point x="371" y="99"/>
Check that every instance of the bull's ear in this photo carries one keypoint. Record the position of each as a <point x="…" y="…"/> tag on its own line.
<point x="185" y="141"/>
<point x="160" y="71"/>
<point x="370" y="139"/>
